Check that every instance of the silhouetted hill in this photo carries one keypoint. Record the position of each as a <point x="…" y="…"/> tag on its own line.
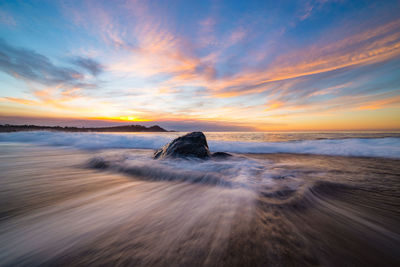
<point x="125" y="128"/>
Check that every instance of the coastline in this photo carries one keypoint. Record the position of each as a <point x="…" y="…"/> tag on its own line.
<point x="126" y="128"/>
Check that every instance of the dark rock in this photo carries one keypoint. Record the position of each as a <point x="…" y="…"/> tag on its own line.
<point x="190" y="145"/>
<point x="98" y="163"/>
<point x="221" y="155"/>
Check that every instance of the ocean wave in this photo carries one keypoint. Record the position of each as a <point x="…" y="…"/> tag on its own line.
<point x="368" y="147"/>
<point x="236" y="172"/>
<point x="365" y="147"/>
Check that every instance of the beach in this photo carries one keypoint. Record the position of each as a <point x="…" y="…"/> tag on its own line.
<point x="76" y="205"/>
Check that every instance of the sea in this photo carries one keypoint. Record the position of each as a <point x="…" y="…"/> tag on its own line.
<point x="282" y="199"/>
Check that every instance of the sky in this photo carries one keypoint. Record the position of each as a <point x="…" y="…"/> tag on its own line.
<point x="202" y="65"/>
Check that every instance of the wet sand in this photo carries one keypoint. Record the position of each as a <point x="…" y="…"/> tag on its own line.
<point x="56" y="208"/>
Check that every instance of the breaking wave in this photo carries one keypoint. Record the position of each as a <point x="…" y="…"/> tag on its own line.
<point x="236" y="172"/>
<point x="365" y="147"/>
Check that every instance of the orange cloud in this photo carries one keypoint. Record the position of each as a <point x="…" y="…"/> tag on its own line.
<point x="19" y="100"/>
<point x="149" y="48"/>
<point x="61" y="101"/>
<point x="371" y="46"/>
<point x="382" y="103"/>
<point x="274" y="105"/>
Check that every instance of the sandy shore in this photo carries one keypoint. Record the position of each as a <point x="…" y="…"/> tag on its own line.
<point x="279" y="210"/>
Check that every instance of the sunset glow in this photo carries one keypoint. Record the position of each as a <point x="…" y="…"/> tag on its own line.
<point x="214" y="65"/>
<point x="122" y="118"/>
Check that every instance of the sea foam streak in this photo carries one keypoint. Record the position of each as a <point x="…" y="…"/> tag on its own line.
<point x="235" y="172"/>
<point x="366" y="147"/>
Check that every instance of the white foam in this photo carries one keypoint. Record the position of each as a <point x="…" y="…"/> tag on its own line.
<point x="365" y="147"/>
<point x="87" y="140"/>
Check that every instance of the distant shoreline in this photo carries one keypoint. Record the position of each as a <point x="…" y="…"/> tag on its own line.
<point x="126" y="128"/>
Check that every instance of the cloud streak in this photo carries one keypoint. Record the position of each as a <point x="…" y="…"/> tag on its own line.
<point x="27" y="64"/>
<point x="88" y="64"/>
<point x="376" y="45"/>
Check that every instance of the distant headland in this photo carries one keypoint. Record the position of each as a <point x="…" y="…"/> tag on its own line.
<point x="124" y="128"/>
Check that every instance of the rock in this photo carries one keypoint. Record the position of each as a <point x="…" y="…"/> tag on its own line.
<point x="190" y="145"/>
<point x="98" y="163"/>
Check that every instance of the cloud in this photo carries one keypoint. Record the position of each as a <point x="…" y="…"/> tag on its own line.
<point x="344" y="103"/>
<point x="29" y="65"/>
<point x="382" y="103"/>
<point x="7" y="18"/>
<point x="196" y="125"/>
<point x="217" y="64"/>
<point x="149" y="46"/>
<point x="310" y="7"/>
<point x="20" y="100"/>
<point x="379" y="44"/>
<point x="91" y="65"/>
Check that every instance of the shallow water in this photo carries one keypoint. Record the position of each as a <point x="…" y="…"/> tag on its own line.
<point x="365" y="144"/>
<point x="67" y="206"/>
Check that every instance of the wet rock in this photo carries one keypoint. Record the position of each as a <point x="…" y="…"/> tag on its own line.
<point x="98" y="163"/>
<point x="190" y="145"/>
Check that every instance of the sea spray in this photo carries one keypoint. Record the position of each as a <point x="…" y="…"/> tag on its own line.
<point x="388" y="147"/>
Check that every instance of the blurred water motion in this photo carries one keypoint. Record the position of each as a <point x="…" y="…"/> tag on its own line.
<point x="63" y="206"/>
<point x="365" y="144"/>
